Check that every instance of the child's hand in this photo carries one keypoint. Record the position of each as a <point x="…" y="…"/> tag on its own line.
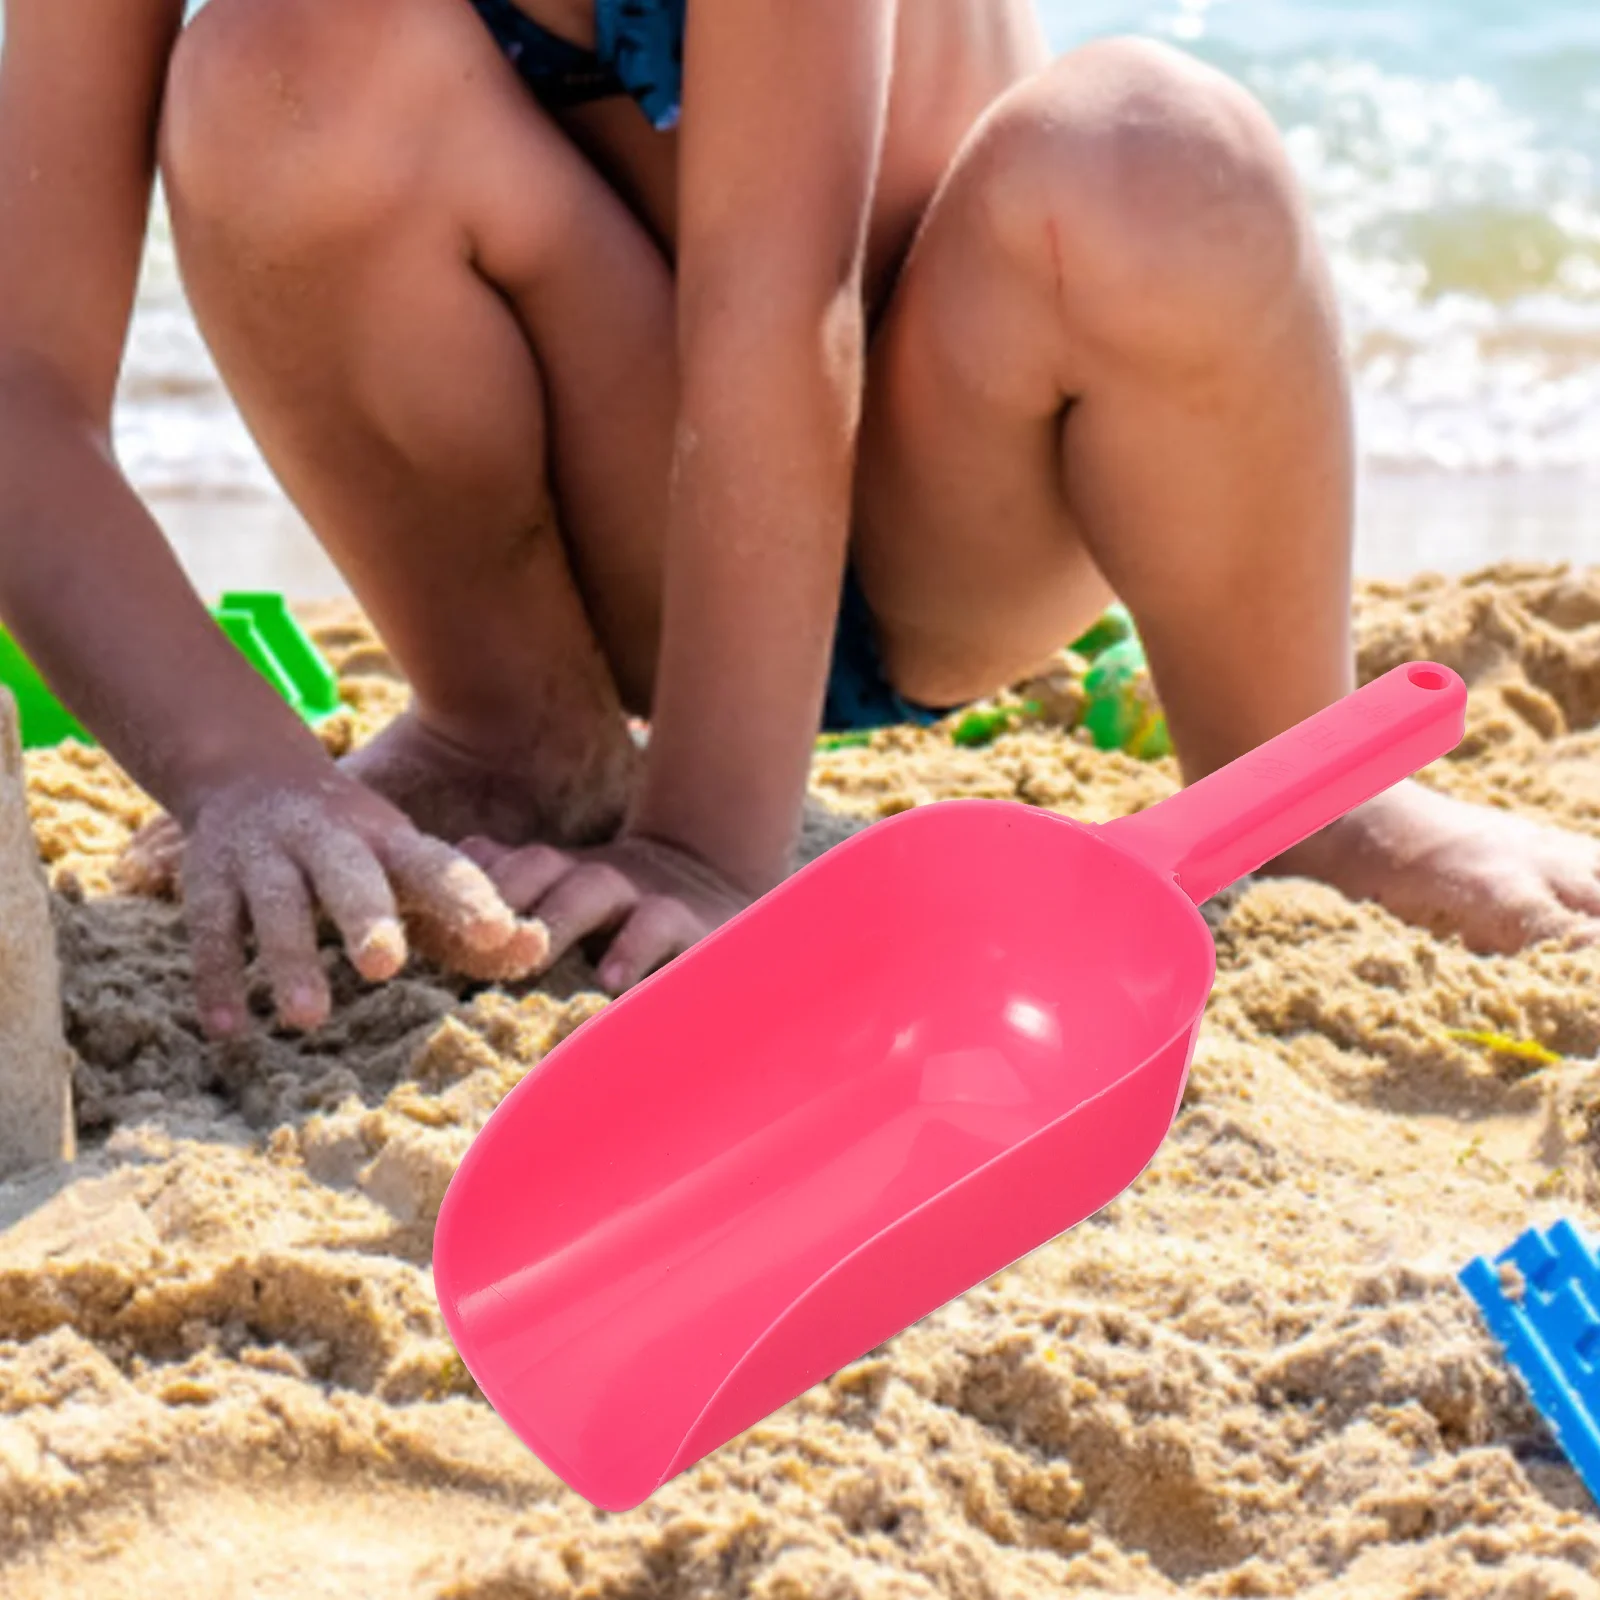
<point x="653" y="899"/>
<point x="261" y="856"/>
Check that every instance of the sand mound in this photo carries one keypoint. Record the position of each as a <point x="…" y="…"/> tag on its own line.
<point x="222" y="1369"/>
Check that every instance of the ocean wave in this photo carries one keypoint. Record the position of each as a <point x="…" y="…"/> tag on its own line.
<point x="1466" y="251"/>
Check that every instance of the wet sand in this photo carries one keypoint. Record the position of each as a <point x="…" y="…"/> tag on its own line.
<point x="222" y="1370"/>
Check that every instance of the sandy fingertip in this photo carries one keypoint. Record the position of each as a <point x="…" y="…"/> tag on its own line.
<point x="528" y="949"/>
<point x="381" y="952"/>
<point x="433" y="881"/>
<point x="524" y="955"/>
<point x="220" y="1022"/>
<point x="472" y="908"/>
<point x="305" y="1007"/>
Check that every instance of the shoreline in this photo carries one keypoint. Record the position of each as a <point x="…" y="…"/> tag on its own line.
<point x="1408" y="524"/>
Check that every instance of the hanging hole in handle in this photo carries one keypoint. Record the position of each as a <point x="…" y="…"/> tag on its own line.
<point x="1428" y="678"/>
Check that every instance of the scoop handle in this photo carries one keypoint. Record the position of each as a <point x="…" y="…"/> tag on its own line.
<point x="1252" y="810"/>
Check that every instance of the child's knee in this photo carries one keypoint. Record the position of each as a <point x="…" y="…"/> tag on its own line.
<point x="288" y="121"/>
<point x="1153" y="189"/>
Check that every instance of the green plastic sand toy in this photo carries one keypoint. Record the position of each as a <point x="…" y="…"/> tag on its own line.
<point x="262" y="629"/>
<point x="43" y="718"/>
<point x="1111" y="627"/>
<point x="1122" y="713"/>
<point x="268" y="637"/>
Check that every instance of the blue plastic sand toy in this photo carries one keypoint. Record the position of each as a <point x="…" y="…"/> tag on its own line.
<point x="1551" y="1333"/>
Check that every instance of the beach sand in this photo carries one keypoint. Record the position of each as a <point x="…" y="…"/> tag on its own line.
<point x="222" y="1370"/>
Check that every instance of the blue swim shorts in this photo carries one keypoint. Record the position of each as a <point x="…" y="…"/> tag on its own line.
<point x="859" y="695"/>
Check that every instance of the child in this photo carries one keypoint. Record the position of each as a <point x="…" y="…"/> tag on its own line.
<point x="747" y="365"/>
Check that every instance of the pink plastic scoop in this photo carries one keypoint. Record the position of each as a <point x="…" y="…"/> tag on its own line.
<point x="944" y="1042"/>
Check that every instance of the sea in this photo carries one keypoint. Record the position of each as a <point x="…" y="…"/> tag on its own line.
<point x="1451" y="153"/>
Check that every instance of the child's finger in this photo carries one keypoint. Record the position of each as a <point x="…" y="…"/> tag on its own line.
<point x="440" y="884"/>
<point x="354" y="890"/>
<point x="150" y="860"/>
<point x="525" y="876"/>
<point x="483" y="852"/>
<point x="522" y="955"/>
<point x="284" y="921"/>
<point x="214" y="912"/>
<point x="1582" y="894"/>
<point x="588" y="900"/>
<point x="659" y="929"/>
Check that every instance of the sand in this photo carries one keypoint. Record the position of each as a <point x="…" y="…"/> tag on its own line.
<point x="222" y="1370"/>
<point x="36" y="1118"/>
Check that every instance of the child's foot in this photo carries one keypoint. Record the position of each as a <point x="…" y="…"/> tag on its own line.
<point x="515" y="798"/>
<point x="1499" y="880"/>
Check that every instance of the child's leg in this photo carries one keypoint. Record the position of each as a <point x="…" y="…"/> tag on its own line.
<point x="1112" y="363"/>
<point x="377" y="227"/>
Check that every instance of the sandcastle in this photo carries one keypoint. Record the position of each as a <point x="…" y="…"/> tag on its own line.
<point x="35" y="1059"/>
